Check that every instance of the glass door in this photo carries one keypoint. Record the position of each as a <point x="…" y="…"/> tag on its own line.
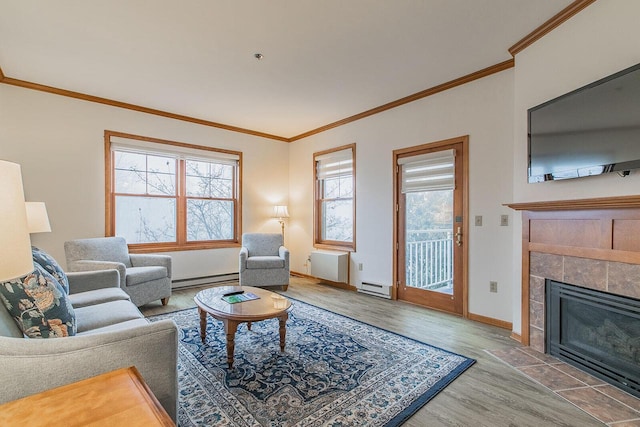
<point x="430" y="226"/>
<point x="429" y="240"/>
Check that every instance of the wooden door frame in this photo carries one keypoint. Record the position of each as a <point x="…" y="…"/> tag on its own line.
<point x="464" y="140"/>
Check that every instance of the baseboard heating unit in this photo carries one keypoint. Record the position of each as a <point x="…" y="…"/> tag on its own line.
<point x="203" y="280"/>
<point x="376" y="289"/>
<point x="330" y="265"/>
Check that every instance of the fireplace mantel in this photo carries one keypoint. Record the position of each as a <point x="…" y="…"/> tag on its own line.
<point x="579" y="238"/>
<point x="579" y="204"/>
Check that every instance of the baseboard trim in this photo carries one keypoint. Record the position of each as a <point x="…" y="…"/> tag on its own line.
<point x="516" y="337"/>
<point x="325" y="281"/>
<point x="490" y="321"/>
<point x="297" y="274"/>
<point x="475" y="317"/>
<point x="203" y="280"/>
<point x="345" y="286"/>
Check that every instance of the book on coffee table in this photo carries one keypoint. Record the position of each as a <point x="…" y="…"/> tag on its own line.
<point x="245" y="296"/>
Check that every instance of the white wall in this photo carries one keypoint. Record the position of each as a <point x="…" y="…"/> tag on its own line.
<point x="602" y="39"/>
<point x="483" y="110"/>
<point x="59" y="143"/>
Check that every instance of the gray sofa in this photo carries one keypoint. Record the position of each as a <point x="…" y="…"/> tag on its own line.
<point x="263" y="260"/>
<point x="111" y="334"/>
<point x="145" y="277"/>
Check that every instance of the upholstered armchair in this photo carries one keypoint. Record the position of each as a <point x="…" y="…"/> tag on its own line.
<point x="264" y="261"/>
<point x="145" y="277"/>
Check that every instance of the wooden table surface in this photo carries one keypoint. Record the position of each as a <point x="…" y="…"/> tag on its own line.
<point x="269" y="305"/>
<point x="262" y="308"/>
<point x="117" y="398"/>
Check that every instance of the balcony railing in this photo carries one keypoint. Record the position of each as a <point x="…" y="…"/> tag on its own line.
<point x="429" y="260"/>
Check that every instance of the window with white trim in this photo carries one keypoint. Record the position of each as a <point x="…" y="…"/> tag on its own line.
<point x="163" y="195"/>
<point x="335" y="195"/>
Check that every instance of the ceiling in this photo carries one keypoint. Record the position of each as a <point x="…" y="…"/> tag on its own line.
<point x="324" y="60"/>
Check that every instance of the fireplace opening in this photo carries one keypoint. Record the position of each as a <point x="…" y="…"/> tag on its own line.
<point x="595" y="331"/>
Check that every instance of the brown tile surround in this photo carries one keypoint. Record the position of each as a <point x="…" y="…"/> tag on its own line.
<point x="599" y="399"/>
<point x="602" y="401"/>
<point x="613" y="277"/>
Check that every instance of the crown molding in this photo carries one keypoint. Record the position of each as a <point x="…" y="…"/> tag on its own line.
<point x="555" y="21"/>
<point x="139" y="108"/>
<point x="407" y="99"/>
<point x="532" y="37"/>
<point x="416" y="96"/>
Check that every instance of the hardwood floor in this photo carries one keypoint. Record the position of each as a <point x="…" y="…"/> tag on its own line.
<point x="490" y="393"/>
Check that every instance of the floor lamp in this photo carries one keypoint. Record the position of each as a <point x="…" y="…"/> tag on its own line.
<point x="15" y="250"/>
<point x="281" y="213"/>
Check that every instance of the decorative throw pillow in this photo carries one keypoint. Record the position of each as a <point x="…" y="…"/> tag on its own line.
<point x="39" y="305"/>
<point x="47" y="262"/>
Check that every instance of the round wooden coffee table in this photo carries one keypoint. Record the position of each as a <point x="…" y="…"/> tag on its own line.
<point x="265" y="307"/>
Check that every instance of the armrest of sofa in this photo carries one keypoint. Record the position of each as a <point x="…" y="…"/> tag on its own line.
<point x="146" y="260"/>
<point x="284" y="253"/>
<point x="151" y="348"/>
<point x="90" y="265"/>
<point x="242" y="259"/>
<point x="83" y="281"/>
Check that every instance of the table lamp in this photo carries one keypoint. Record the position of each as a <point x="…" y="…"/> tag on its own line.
<point x="15" y="250"/>
<point x="37" y="218"/>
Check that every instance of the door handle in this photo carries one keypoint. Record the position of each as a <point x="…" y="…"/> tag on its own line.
<point x="459" y="237"/>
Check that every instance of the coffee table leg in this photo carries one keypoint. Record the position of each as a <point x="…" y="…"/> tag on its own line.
<point x="203" y="324"/>
<point x="230" y="328"/>
<point x="283" y="329"/>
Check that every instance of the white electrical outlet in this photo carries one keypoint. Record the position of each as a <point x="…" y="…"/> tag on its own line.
<point x="493" y="286"/>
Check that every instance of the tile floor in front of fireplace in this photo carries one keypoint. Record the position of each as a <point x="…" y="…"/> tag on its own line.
<point x="602" y="401"/>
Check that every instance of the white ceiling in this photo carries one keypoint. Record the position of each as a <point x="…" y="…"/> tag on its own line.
<point x="324" y="60"/>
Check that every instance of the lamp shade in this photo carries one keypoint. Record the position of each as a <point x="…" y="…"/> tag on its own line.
<point x="280" y="212"/>
<point x="15" y="245"/>
<point x="37" y="218"/>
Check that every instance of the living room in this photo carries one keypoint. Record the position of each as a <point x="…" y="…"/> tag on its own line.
<point x="58" y="141"/>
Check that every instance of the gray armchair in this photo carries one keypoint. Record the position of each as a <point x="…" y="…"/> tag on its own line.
<point x="264" y="261"/>
<point x="145" y="277"/>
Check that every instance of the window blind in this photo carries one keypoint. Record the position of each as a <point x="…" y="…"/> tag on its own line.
<point x="175" y="151"/>
<point x="428" y="172"/>
<point x="335" y="164"/>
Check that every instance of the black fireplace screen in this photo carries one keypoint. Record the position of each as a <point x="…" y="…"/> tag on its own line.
<point x="596" y="331"/>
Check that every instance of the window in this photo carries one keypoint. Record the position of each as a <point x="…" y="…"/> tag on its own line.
<point x="335" y="196"/>
<point x="164" y="195"/>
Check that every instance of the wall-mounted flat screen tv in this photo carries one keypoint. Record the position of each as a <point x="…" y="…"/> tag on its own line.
<point x="590" y="131"/>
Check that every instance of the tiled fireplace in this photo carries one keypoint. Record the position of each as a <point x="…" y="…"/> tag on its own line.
<point x="600" y="283"/>
<point x="613" y="277"/>
<point x="590" y="243"/>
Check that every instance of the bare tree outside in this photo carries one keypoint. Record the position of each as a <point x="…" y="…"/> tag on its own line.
<point x="210" y="200"/>
<point x="146" y="198"/>
<point x="337" y="208"/>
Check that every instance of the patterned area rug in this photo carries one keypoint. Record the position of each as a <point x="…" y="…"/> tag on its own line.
<point x="335" y="371"/>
